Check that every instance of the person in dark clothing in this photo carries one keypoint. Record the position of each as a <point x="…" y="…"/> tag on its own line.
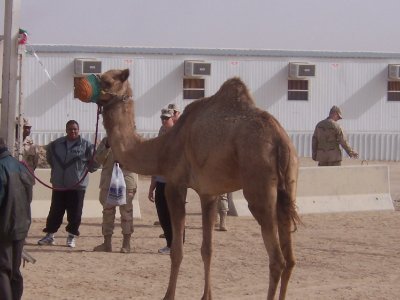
<point x="15" y="220"/>
<point x="69" y="157"/>
<point x="157" y="187"/>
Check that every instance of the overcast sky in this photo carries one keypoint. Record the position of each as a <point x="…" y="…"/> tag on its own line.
<point x="340" y="25"/>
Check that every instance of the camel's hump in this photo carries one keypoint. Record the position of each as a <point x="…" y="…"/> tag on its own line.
<point x="234" y="88"/>
<point x="234" y="83"/>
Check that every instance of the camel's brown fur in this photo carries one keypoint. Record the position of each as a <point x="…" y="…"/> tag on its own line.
<point x="219" y="144"/>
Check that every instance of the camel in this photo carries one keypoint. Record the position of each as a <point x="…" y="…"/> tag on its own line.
<point x="220" y="144"/>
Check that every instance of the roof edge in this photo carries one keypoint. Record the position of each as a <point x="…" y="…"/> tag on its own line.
<point x="209" y="51"/>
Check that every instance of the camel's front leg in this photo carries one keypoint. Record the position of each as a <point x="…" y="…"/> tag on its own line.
<point x="176" y="205"/>
<point x="209" y="210"/>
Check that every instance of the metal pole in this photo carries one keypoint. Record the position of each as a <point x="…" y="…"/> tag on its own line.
<point x="20" y="122"/>
<point x="10" y="72"/>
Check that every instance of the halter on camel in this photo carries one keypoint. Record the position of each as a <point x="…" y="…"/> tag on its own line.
<point x="88" y="89"/>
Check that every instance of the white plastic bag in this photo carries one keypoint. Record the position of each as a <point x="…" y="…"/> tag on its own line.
<point x="117" y="190"/>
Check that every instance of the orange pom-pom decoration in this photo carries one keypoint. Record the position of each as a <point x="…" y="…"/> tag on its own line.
<point x="87" y="89"/>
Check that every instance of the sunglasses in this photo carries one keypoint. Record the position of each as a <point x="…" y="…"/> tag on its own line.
<point x="165" y="118"/>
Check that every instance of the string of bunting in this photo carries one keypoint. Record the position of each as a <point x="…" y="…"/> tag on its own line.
<point x="23" y="40"/>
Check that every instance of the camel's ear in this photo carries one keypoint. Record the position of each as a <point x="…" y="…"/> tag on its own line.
<point x="124" y="75"/>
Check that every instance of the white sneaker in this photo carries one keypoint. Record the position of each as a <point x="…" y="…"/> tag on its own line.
<point x="71" y="241"/>
<point x="165" y="250"/>
<point x="47" y="240"/>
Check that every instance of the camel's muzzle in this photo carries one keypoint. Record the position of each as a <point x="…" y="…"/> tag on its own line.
<point x="87" y="88"/>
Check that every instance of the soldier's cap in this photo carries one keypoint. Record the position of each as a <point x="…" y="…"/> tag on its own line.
<point x="166" y="113"/>
<point x="26" y="123"/>
<point x="173" y="106"/>
<point x="336" y="109"/>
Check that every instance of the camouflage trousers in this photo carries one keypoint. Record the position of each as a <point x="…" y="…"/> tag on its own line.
<point x="222" y="204"/>
<point x="126" y="212"/>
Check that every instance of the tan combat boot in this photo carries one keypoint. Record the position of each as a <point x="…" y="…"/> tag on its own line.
<point x="222" y="219"/>
<point x="106" y="246"/>
<point x="126" y="244"/>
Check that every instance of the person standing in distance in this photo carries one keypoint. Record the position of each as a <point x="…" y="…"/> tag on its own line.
<point x="69" y="157"/>
<point x="15" y="220"/>
<point x="105" y="157"/>
<point x="30" y="151"/>
<point x="176" y="113"/>
<point x="157" y="187"/>
<point x="327" y="137"/>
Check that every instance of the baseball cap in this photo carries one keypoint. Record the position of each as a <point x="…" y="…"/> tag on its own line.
<point x="173" y="106"/>
<point x="166" y="113"/>
<point x="336" y="109"/>
<point x="26" y="123"/>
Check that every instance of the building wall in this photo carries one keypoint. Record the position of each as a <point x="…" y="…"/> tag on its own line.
<point x="357" y="85"/>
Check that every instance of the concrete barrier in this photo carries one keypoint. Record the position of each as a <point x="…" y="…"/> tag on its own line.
<point x="91" y="207"/>
<point x="334" y="189"/>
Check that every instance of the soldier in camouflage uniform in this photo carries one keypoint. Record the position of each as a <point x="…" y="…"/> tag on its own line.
<point x="105" y="157"/>
<point x="328" y="135"/>
<point x="30" y="151"/>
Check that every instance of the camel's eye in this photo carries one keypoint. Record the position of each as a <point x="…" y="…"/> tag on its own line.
<point x="105" y="85"/>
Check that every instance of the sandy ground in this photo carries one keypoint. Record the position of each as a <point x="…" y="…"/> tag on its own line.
<point x="339" y="256"/>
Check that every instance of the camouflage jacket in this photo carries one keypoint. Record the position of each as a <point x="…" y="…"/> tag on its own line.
<point x="328" y="135"/>
<point x="30" y="153"/>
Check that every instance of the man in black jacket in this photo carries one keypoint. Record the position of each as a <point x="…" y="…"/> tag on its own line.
<point x="15" y="220"/>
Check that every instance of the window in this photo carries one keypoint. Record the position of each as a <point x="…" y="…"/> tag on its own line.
<point x="393" y="93"/>
<point x="193" y="88"/>
<point x="298" y="89"/>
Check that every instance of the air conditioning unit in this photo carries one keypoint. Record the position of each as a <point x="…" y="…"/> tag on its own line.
<point x="394" y="72"/>
<point x="197" y="68"/>
<point x="85" y="66"/>
<point x="301" y="70"/>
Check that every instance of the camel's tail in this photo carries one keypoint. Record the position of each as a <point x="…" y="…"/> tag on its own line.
<point x="287" y="209"/>
<point x="287" y="167"/>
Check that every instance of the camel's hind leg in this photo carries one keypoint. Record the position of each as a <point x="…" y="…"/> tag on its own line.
<point x="262" y="204"/>
<point x="287" y="217"/>
<point x="209" y="210"/>
<point x="176" y="205"/>
<point x="285" y="237"/>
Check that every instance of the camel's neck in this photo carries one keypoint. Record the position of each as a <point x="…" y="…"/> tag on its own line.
<point x="128" y="147"/>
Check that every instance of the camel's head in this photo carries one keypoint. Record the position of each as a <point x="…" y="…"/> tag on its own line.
<point x="105" y="89"/>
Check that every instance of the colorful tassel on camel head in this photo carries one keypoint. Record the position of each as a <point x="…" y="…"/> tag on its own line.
<point x="87" y="88"/>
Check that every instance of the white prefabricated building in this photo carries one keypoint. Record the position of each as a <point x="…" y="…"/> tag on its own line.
<point x="297" y="87"/>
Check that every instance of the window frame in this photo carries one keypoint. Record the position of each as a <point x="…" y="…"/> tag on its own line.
<point x="193" y="88"/>
<point x="393" y="91"/>
<point x="293" y="90"/>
